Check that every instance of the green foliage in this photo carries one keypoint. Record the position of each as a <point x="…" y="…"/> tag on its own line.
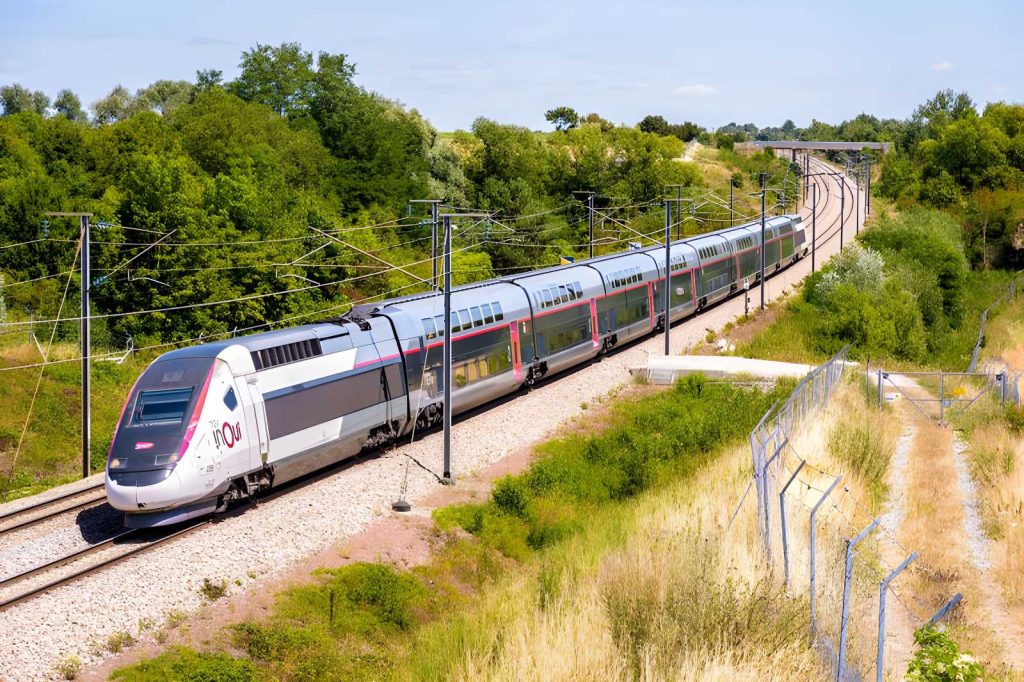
<point x="563" y="118"/>
<point x="186" y="665"/>
<point x="938" y="658"/>
<point x="668" y="434"/>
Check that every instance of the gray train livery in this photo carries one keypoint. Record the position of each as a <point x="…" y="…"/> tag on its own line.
<point x="221" y="421"/>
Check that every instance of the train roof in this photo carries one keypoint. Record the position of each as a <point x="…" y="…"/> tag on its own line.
<point x="259" y="341"/>
<point x="369" y="308"/>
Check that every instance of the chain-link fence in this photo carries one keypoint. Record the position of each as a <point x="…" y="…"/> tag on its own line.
<point x="825" y="544"/>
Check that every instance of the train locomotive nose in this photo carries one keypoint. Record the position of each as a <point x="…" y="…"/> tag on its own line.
<point x="143" y="490"/>
<point x="121" y="496"/>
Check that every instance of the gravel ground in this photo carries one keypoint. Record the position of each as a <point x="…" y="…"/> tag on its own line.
<point x="895" y="508"/>
<point x="977" y="541"/>
<point x="265" y="541"/>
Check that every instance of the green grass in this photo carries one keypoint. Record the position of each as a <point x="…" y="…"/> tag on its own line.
<point x="185" y="665"/>
<point x="576" y="500"/>
<point x="51" y="453"/>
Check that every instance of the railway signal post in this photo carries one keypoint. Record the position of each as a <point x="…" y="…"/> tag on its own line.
<point x="85" y="334"/>
<point x="814" y="225"/>
<point x="446" y="477"/>
<point x="856" y="199"/>
<point x="590" y="216"/>
<point x="732" y="213"/>
<point x="764" y="177"/>
<point x="842" y="209"/>
<point x="433" y="236"/>
<point x="867" y="187"/>
<point x="668" y="271"/>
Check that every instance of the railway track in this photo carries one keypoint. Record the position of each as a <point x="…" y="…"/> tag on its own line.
<point x="147" y="537"/>
<point x="43" y="511"/>
<point x="95" y="548"/>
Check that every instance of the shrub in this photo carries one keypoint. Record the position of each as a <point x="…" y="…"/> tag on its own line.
<point x="213" y="590"/>
<point x="939" y="658"/>
<point x="69" y="666"/>
<point x="119" y="641"/>
<point x="510" y="495"/>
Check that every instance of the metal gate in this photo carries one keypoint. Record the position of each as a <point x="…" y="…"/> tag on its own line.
<point x="956" y="391"/>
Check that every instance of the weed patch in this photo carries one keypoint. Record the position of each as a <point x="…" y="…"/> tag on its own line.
<point x="185" y="665"/>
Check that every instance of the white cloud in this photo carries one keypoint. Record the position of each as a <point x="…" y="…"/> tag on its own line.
<point x="942" y="66"/>
<point x="698" y="90"/>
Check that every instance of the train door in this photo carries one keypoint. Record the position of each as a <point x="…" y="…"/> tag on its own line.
<point x="517" y="358"/>
<point x="259" y="414"/>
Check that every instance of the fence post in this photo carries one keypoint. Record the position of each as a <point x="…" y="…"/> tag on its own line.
<point x="880" y="393"/>
<point x="757" y="448"/>
<point x="946" y="608"/>
<point x="847" y="579"/>
<point x="1002" y="388"/>
<point x="942" y="398"/>
<point x="782" y="522"/>
<point x="814" y="514"/>
<point x="883" y="586"/>
<point x="767" y="524"/>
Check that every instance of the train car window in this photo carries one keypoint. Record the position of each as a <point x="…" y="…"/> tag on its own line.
<point x="546" y="293"/>
<point x="165" y="406"/>
<point x="439" y="323"/>
<point x="230" y="399"/>
<point x="464" y="319"/>
<point x="429" y="331"/>
<point x="578" y="288"/>
<point x="454" y="325"/>
<point x="498" y="315"/>
<point x="478" y="318"/>
<point x="563" y="295"/>
<point x="488" y="315"/>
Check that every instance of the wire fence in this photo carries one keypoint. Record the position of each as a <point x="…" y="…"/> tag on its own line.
<point x="1008" y="295"/>
<point x="825" y="545"/>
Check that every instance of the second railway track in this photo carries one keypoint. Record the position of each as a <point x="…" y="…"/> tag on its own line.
<point x="40" y="512"/>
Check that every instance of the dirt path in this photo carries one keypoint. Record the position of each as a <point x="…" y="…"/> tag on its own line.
<point x="943" y="524"/>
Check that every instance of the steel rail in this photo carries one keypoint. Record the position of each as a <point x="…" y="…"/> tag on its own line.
<point x="44" y="503"/>
<point x="24" y="596"/>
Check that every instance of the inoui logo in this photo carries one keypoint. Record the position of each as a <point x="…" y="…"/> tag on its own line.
<point x="228" y="434"/>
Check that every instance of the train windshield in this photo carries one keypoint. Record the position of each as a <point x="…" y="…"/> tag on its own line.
<point x="167" y="406"/>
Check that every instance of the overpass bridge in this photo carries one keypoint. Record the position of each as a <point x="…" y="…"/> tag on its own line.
<point x="820" y="145"/>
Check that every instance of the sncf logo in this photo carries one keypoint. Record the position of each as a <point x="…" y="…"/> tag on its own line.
<point x="228" y="434"/>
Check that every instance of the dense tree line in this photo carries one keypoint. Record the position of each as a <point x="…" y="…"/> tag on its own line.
<point x="236" y="179"/>
<point x="946" y="155"/>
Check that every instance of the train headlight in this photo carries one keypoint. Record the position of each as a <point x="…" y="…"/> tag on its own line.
<point x="166" y="459"/>
<point x="118" y="463"/>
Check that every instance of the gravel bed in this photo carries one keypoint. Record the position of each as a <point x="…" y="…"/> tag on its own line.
<point x="977" y="541"/>
<point x="58" y="536"/>
<point x="895" y="508"/>
<point x="266" y="540"/>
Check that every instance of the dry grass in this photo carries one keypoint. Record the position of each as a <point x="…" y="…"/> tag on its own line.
<point x="935" y="527"/>
<point x="688" y="596"/>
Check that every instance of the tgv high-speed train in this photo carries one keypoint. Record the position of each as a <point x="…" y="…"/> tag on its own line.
<point x="220" y="421"/>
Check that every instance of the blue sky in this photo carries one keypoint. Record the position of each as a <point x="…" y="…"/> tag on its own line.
<point x="707" y="61"/>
